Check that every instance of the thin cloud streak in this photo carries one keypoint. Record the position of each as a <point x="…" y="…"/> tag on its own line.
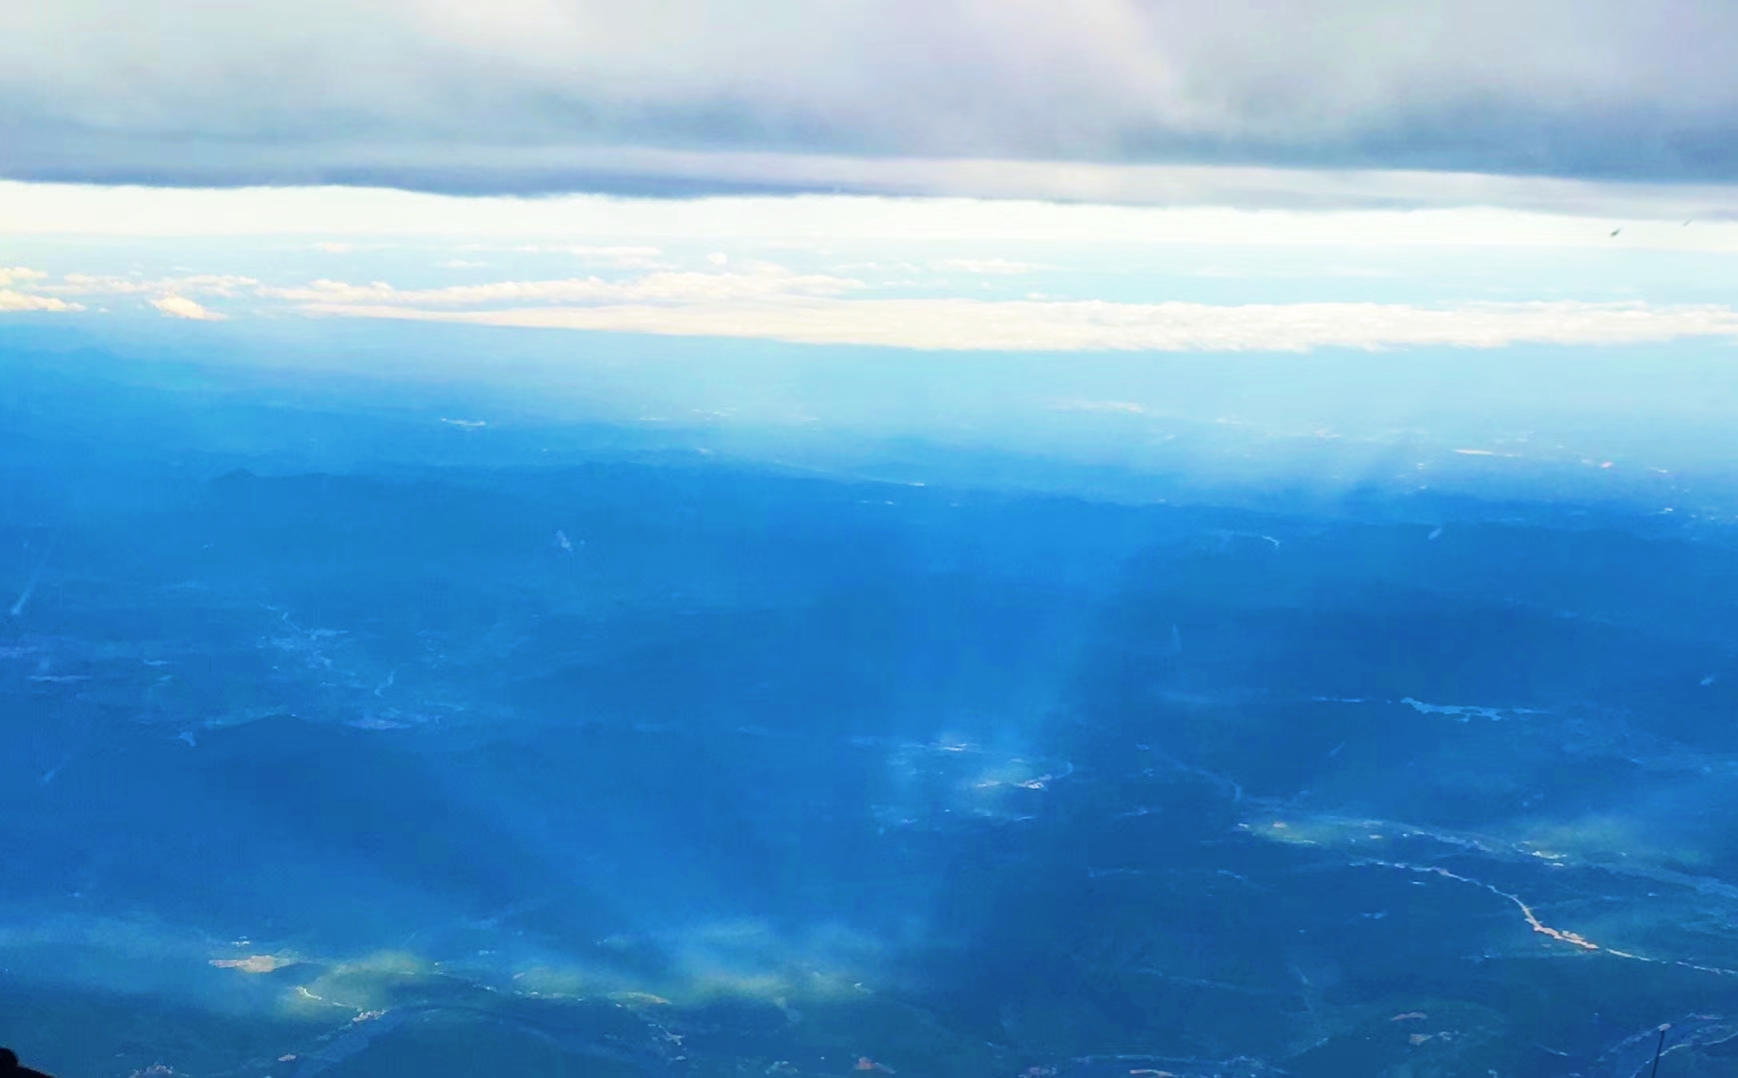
<point x="84" y="284"/>
<point x="663" y="173"/>
<point x="761" y="281"/>
<point x="1062" y="326"/>
<point x="14" y="302"/>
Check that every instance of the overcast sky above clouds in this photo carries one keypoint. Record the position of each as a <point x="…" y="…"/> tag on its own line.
<point x="1103" y="175"/>
<point x="519" y="95"/>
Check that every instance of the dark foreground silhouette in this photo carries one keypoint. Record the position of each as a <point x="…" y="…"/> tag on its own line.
<point x="10" y="1067"/>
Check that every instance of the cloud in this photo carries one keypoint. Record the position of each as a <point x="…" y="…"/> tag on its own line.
<point x="12" y="300"/>
<point x="181" y="307"/>
<point x="20" y="301"/>
<point x="1071" y="326"/>
<point x="519" y="95"/>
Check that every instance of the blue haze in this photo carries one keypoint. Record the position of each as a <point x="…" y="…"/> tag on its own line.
<point x="694" y="708"/>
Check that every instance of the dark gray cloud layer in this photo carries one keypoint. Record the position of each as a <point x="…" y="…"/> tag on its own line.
<point x="528" y="95"/>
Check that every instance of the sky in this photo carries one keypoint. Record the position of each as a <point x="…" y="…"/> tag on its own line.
<point x="1127" y="177"/>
